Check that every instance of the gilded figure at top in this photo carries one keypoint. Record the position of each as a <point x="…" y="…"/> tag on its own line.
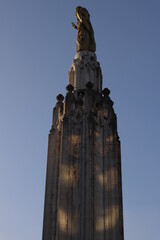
<point x="85" y="33"/>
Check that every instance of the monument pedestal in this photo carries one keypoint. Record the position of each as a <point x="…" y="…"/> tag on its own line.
<point x="85" y="68"/>
<point x="83" y="199"/>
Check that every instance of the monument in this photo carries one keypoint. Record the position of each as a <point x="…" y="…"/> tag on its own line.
<point x="83" y="197"/>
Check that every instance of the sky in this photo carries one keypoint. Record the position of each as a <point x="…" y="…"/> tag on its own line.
<point x="37" y="47"/>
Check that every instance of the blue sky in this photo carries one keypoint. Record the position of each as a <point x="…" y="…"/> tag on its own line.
<point x="37" y="47"/>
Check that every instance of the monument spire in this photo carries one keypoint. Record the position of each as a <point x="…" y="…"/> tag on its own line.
<point x="83" y="198"/>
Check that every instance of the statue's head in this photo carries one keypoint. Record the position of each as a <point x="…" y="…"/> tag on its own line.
<point x="77" y="10"/>
<point x="82" y="11"/>
<point x="86" y="13"/>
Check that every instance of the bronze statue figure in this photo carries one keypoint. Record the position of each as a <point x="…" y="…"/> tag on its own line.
<point x="85" y="33"/>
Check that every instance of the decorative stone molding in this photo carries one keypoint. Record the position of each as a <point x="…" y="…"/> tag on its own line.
<point x="84" y="69"/>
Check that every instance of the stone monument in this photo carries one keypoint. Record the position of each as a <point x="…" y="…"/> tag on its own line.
<point x="83" y="197"/>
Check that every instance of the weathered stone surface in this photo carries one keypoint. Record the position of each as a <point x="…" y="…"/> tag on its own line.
<point x="83" y="198"/>
<point x="84" y="69"/>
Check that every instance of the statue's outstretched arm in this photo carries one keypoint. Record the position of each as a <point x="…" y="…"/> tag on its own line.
<point x="74" y="25"/>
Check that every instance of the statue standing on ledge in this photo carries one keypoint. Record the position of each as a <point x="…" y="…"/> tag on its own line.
<point x="85" y="33"/>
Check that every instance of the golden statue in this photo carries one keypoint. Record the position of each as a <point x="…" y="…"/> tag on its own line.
<point x="85" y="33"/>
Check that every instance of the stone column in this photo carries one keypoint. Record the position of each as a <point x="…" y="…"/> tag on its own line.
<point x="83" y="198"/>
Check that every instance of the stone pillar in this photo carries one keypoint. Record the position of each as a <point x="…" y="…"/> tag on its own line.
<point x="84" y="69"/>
<point x="83" y="198"/>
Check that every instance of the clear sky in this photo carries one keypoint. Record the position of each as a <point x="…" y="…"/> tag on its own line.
<point x="37" y="47"/>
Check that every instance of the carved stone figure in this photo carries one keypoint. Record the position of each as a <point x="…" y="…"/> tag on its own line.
<point x="85" y="33"/>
